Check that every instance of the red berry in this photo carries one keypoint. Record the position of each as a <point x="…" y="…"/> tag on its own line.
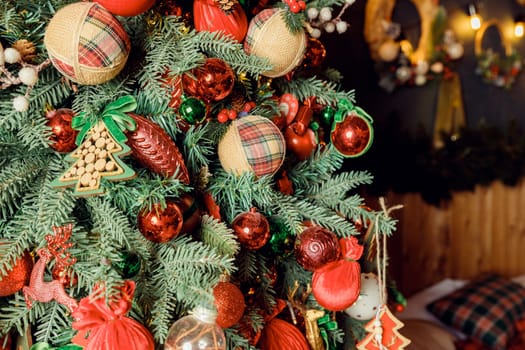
<point x="232" y="114"/>
<point x="222" y="117"/>
<point x="294" y="8"/>
<point x="302" y="5"/>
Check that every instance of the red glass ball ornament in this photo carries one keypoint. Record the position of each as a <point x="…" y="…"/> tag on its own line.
<point x="229" y="302"/>
<point x="63" y="136"/>
<point x="315" y="53"/>
<point x="160" y="225"/>
<point x="126" y="8"/>
<point x="316" y="247"/>
<point x="18" y="276"/>
<point x="211" y="81"/>
<point x="353" y="136"/>
<point x="252" y="229"/>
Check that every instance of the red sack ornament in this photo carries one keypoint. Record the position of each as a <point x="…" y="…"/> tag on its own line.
<point x="106" y="327"/>
<point x="231" y="19"/>
<point x="336" y="285"/>
<point x="278" y="334"/>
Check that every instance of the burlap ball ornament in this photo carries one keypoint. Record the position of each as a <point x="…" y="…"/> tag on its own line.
<point x="252" y="144"/>
<point x="86" y="43"/>
<point x="268" y="36"/>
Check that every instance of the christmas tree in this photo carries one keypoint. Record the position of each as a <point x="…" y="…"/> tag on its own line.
<point x="168" y="167"/>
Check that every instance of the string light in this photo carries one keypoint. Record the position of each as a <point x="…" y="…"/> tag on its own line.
<point x="519" y="26"/>
<point x="475" y="18"/>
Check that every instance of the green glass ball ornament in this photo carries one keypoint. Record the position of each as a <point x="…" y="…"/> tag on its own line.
<point x="327" y="115"/>
<point x="192" y="110"/>
<point x="129" y="266"/>
<point x="281" y="242"/>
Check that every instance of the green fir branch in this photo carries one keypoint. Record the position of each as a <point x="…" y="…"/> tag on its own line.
<point x="326" y="92"/>
<point x="16" y="315"/>
<point x="334" y="189"/>
<point x="219" y="236"/>
<point x="52" y="323"/>
<point x="234" y="340"/>
<point x="16" y="178"/>
<point x="286" y="210"/>
<point x="327" y="218"/>
<point x="237" y="194"/>
<point x="215" y="44"/>
<point x="316" y="169"/>
<point x="93" y="98"/>
<point x="198" y="148"/>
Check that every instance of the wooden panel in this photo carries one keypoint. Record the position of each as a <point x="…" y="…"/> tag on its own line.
<point x="478" y="231"/>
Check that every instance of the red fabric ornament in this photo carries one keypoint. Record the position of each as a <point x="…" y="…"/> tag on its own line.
<point x="209" y="82"/>
<point x="212" y="207"/>
<point x="229" y="302"/>
<point x="252" y="229"/>
<point x="63" y="136"/>
<point x="208" y="16"/>
<point x="173" y="85"/>
<point x="126" y="7"/>
<point x="284" y="184"/>
<point x="159" y="224"/>
<point x="300" y="139"/>
<point x="103" y="326"/>
<point x="315" y="247"/>
<point x="18" y="276"/>
<point x="278" y="334"/>
<point x="353" y="136"/>
<point x="154" y="149"/>
<point x="336" y="285"/>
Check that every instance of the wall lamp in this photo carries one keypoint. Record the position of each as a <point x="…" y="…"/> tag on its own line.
<point x="519" y="26"/>
<point x="475" y="18"/>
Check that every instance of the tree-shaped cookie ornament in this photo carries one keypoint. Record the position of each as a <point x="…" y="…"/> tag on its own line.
<point x="383" y="329"/>
<point x="101" y="143"/>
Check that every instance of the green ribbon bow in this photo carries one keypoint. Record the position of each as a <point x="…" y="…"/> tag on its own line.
<point x="114" y="117"/>
<point x="344" y="107"/>
<point x="326" y="324"/>
<point x="46" y="346"/>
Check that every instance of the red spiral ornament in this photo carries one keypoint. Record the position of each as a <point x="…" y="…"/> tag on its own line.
<point x="316" y="247"/>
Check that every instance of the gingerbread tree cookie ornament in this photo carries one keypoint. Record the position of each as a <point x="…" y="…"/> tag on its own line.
<point x="383" y="329"/>
<point x="102" y="144"/>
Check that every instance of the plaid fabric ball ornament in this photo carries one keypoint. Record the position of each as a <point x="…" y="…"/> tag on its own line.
<point x="269" y="36"/>
<point x="86" y="43"/>
<point x="252" y="143"/>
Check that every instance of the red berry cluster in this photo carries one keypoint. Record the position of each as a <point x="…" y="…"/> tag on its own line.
<point x="230" y="114"/>
<point x="296" y="6"/>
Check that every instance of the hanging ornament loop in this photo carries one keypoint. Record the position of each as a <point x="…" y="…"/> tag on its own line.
<point x="114" y="117"/>
<point x="383" y="329"/>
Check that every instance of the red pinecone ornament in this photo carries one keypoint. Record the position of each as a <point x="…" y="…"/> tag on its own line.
<point x="154" y="149"/>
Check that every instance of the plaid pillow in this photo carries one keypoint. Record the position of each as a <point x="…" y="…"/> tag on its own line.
<point x="485" y="309"/>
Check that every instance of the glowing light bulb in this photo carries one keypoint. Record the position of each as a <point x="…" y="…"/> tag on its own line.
<point x="475" y="18"/>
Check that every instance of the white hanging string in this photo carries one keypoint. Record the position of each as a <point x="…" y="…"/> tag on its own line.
<point x="381" y="258"/>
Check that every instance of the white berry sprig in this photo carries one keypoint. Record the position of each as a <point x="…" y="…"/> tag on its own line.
<point x="27" y="75"/>
<point x="322" y="19"/>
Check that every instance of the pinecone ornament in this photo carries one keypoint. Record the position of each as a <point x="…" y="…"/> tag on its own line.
<point x="26" y="48"/>
<point x="225" y="5"/>
<point x="154" y="149"/>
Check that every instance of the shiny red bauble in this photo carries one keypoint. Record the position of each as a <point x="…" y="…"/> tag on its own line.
<point x="209" y="82"/>
<point x="315" y="53"/>
<point x="315" y="247"/>
<point x="126" y="8"/>
<point x="353" y="136"/>
<point x="229" y="302"/>
<point x="159" y="224"/>
<point x="63" y="136"/>
<point x="252" y="229"/>
<point x="18" y="276"/>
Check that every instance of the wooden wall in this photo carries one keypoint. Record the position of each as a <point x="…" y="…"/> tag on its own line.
<point x="476" y="232"/>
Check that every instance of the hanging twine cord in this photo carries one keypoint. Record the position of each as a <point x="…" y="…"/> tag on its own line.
<point x="381" y="258"/>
